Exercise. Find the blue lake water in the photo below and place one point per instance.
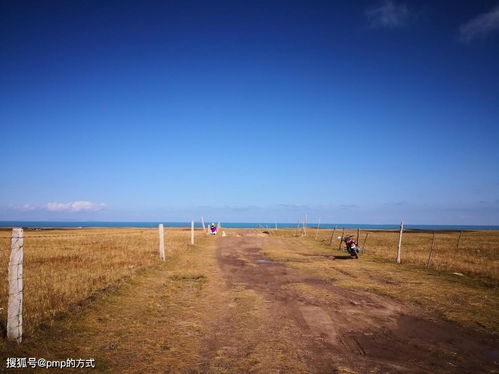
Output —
(74, 224)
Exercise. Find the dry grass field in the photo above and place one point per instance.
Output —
(65, 268)
(477, 255)
(261, 301)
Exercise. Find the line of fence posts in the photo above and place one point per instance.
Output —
(14, 317)
(14, 323)
(399, 246)
(15, 303)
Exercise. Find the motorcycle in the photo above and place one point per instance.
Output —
(352, 247)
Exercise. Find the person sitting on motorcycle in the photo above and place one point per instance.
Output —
(213, 229)
(351, 246)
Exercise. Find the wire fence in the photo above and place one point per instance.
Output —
(61, 269)
(474, 253)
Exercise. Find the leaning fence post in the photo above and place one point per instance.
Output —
(431, 251)
(304, 232)
(459, 240)
(192, 232)
(341, 239)
(365, 241)
(161, 242)
(202, 222)
(400, 242)
(358, 234)
(317, 232)
(332, 236)
(15, 307)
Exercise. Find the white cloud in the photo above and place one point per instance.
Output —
(480, 26)
(388, 14)
(72, 206)
(75, 206)
(23, 208)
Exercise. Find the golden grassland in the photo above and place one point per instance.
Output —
(168, 315)
(168, 319)
(477, 255)
(65, 268)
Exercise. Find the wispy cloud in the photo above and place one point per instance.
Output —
(480, 26)
(348, 206)
(75, 206)
(396, 203)
(388, 14)
(23, 208)
(72, 206)
(489, 202)
(293, 207)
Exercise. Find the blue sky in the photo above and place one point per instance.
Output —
(353, 112)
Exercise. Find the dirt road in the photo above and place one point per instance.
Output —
(330, 329)
(261, 304)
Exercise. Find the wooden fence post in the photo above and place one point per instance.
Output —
(15, 305)
(358, 233)
(192, 232)
(341, 239)
(305, 226)
(332, 236)
(161, 242)
(431, 251)
(459, 240)
(365, 241)
(317, 232)
(399, 248)
(204, 227)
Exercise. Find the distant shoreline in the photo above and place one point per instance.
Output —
(240, 225)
